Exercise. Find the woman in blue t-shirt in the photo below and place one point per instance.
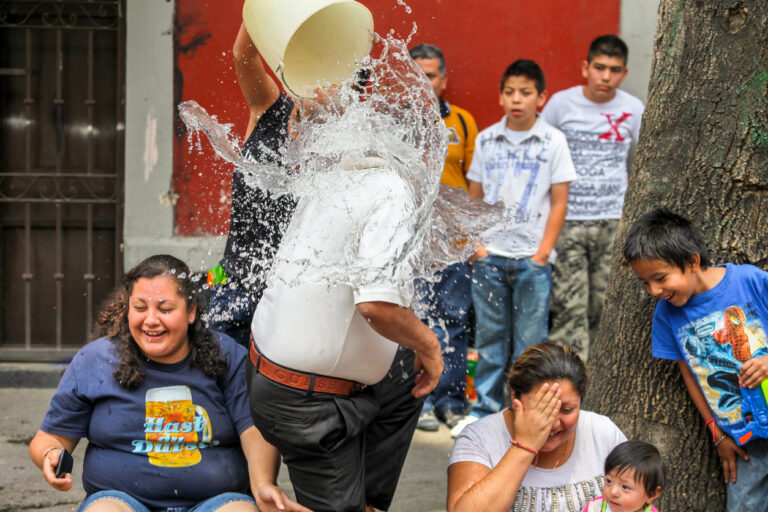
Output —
(164, 405)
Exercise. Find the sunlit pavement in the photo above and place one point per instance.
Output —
(422, 484)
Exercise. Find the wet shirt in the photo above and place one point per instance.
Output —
(172, 441)
(462, 131)
(342, 248)
(257, 219)
(566, 488)
(521, 173)
(715, 332)
(600, 136)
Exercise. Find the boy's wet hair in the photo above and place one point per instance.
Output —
(641, 457)
(527, 68)
(608, 45)
(429, 51)
(663, 235)
(546, 362)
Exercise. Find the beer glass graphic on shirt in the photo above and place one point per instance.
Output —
(175, 426)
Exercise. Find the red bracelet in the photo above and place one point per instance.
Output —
(711, 420)
(526, 448)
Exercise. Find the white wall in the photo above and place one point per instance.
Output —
(148, 217)
(637, 27)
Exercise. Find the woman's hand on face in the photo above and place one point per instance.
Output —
(533, 422)
(50, 461)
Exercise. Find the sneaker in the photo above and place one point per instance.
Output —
(466, 420)
(452, 418)
(428, 422)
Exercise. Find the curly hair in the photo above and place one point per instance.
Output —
(112, 322)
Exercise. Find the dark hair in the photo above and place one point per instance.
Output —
(528, 69)
(112, 321)
(429, 51)
(608, 45)
(663, 235)
(546, 362)
(641, 457)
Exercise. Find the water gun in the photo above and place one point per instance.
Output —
(217, 275)
(754, 410)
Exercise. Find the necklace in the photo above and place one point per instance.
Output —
(564, 452)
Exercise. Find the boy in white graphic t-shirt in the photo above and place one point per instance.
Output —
(601, 123)
(524, 162)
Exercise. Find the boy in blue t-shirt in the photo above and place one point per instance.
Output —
(712, 321)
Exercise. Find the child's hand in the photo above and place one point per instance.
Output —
(728, 450)
(754, 371)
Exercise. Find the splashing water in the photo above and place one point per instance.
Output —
(391, 127)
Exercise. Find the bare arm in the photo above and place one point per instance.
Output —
(558, 208)
(473, 486)
(693, 389)
(403, 327)
(44, 450)
(259, 88)
(728, 450)
(475, 189)
(263, 465)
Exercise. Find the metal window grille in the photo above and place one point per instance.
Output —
(62, 110)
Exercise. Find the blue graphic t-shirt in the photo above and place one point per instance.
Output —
(715, 332)
(173, 441)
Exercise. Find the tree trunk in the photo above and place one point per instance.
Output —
(703, 153)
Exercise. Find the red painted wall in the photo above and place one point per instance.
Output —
(479, 39)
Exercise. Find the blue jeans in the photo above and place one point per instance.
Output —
(749, 493)
(448, 301)
(209, 505)
(511, 299)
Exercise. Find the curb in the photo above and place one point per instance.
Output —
(30, 375)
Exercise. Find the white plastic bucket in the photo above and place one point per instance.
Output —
(309, 43)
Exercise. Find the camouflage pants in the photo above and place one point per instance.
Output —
(579, 281)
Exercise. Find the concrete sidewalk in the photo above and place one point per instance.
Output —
(422, 485)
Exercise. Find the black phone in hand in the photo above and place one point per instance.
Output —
(65, 464)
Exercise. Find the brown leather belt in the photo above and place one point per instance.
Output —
(301, 380)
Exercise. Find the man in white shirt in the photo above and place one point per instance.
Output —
(319, 347)
(336, 348)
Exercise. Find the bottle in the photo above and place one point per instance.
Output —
(217, 275)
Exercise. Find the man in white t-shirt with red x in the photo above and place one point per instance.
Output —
(602, 124)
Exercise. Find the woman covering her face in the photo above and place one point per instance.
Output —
(544, 452)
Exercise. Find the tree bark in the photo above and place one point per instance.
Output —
(703, 153)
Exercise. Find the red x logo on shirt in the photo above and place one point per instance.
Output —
(614, 127)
